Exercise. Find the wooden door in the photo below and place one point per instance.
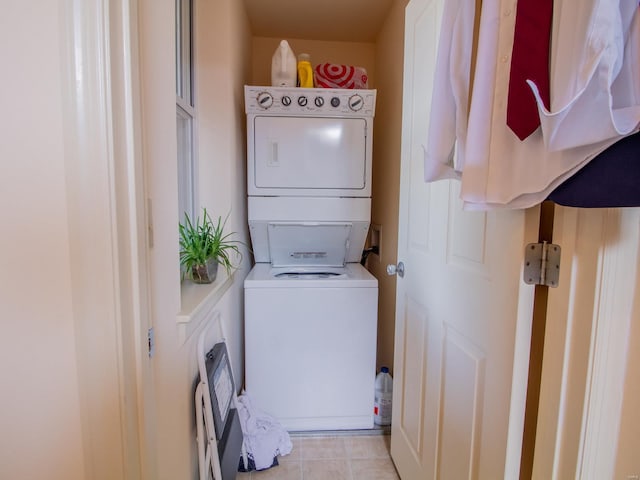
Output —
(463, 315)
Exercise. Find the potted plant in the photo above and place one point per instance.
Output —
(204, 245)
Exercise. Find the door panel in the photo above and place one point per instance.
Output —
(463, 392)
(414, 343)
(417, 368)
(464, 225)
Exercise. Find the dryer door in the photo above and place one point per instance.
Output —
(309, 156)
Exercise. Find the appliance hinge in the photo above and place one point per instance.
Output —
(151, 340)
(542, 264)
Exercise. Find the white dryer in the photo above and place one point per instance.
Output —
(310, 307)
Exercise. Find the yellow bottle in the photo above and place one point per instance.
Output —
(305, 71)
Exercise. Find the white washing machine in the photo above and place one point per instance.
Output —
(310, 307)
(310, 339)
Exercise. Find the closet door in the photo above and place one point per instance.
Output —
(463, 314)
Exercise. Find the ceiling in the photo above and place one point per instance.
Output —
(329, 20)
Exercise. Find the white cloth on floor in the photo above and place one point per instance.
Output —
(264, 437)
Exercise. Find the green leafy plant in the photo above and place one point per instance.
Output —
(203, 241)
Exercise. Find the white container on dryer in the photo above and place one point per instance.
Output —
(284, 66)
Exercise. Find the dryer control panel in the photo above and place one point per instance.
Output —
(309, 101)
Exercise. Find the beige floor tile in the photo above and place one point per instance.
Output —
(294, 456)
(373, 469)
(243, 475)
(374, 446)
(317, 448)
(387, 441)
(284, 471)
(326, 470)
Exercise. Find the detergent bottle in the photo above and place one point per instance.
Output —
(305, 71)
(383, 397)
(283, 66)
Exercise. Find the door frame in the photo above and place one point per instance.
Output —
(107, 234)
(586, 385)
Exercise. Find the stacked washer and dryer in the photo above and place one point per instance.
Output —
(310, 307)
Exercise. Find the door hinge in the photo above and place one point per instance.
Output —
(542, 264)
(151, 342)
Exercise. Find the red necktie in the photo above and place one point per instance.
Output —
(529, 61)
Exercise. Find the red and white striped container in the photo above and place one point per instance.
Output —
(330, 75)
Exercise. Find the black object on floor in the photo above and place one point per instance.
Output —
(225, 418)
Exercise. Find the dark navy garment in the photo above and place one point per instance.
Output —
(611, 179)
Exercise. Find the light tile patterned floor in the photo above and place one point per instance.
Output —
(360, 457)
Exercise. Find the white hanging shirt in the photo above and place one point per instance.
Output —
(450, 100)
(497, 169)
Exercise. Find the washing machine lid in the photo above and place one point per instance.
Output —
(294, 244)
(352, 275)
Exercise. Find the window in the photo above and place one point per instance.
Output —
(185, 110)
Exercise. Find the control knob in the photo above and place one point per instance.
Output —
(302, 101)
(356, 102)
(265, 100)
(286, 100)
(319, 101)
(335, 102)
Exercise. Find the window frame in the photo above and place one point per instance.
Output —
(186, 124)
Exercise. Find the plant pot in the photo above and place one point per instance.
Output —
(205, 273)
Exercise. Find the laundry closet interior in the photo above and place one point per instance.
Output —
(380, 51)
(322, 187)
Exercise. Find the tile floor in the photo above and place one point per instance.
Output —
(357, 457)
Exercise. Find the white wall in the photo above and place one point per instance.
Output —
(39, 421)
(222, 58)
